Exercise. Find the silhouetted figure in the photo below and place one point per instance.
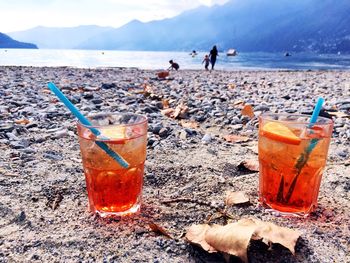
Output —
(213, 54)
(206, 61)
(173, 65)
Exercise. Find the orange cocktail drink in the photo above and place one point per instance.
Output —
(292, 157)
(113, 189)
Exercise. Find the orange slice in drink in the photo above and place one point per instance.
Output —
(114, 135)
(279, 132)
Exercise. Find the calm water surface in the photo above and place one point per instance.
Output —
(159, 60)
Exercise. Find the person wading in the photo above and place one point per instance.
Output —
(212, 55)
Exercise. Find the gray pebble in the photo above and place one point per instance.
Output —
(206, 138)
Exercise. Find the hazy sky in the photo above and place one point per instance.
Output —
(24, 14)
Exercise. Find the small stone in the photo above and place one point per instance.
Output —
(88, 96)
(261, 108)
(11, 136)
(343, 153)
(164, 132)
(183, 135)
(151, 141)
(60, 134)
(23, 143)
(156, 129)
(108, 86)
(206, 138)
(6, 127)
(53, 156)
(97, 101)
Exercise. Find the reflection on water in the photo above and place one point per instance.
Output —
(159, 60)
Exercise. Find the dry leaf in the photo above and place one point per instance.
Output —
(248, 111)
(231, 86)
(196, 235)
(165, 103)
(147, 89)
(180, 112)
(189, 124)
(339, 114)
(347, 163)
(22, 121)
(167, 112)
(237, 103)
(232, 238)
(235, 198)
(160, 230)
(235, 138)
(47, 91)
(271, 233)
(250, 164)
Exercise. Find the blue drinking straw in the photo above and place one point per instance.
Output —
(85, 121)
(316, 112)
(303, 158)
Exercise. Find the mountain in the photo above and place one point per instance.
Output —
(8, 42)
(249, 25)
(58, 38)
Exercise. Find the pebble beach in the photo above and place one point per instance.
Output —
(44, 212)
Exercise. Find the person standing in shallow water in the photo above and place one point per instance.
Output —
(212, 55)
(206, 61)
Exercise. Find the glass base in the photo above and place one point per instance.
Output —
(132, 210)
(291, 213)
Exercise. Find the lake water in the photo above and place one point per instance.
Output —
(159, 60)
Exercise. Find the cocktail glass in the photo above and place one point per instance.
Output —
(292, 158)
(114, 190)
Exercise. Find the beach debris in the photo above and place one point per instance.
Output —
(167, 112)
(166, 103)
(238, 103)
(163, 74)
(231, 85)
(236, 198)
(22, 121)
(339, 114)
(248, 111)
(235, 138)
(196, 235)
(234, 238)
(180, 112)
(53, 201)
(250, 165)
(189, 124)
(147, 90)
(159, 230)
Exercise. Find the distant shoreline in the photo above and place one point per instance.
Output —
(247, 70)
(159, 60)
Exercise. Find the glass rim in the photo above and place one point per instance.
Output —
(268, 116)
(143, 120)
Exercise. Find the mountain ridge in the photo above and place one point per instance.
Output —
(8, 42)
(250, 25)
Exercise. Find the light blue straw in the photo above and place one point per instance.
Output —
(85, 121)
(303, 158)
(316, 112)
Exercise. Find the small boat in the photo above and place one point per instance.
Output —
(231, 52)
